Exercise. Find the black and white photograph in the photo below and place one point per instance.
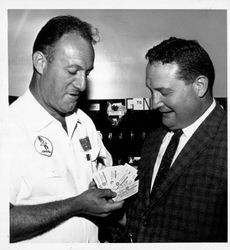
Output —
(114, 125)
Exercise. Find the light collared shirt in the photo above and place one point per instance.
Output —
(47, 164)
(187, 134)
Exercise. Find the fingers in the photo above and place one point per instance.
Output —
(110, 207)
(107, 193)
(115, 205)
(109, 204)
(123, 220)
(95, 202)
(92, 185)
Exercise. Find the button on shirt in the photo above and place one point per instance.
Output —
(47, 164)
(187, 134)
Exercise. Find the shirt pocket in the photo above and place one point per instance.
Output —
(48, 181)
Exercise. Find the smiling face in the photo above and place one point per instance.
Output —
(178, 102)
(64, 77)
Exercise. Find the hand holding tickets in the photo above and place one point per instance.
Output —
(120, 179)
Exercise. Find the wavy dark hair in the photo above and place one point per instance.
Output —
(191, 58)
(56, 27)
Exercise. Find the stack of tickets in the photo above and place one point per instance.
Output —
(120, 179)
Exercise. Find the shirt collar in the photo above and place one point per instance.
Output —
(73, 120)
(188, 131)
(39, 118)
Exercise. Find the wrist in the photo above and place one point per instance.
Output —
(75, 206)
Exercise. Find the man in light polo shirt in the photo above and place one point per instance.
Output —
(54, 145)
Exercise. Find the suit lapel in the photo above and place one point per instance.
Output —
(148, 159)
(197, 143)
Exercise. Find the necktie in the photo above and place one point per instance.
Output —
(167, 158)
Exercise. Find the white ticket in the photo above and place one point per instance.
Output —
(100, 179)
(127, 191)
(120, 179)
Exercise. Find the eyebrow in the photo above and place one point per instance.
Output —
(79, 67)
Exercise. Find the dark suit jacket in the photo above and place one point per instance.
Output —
(191, 203)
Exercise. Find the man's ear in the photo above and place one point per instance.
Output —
(201, 85)
(39, 61)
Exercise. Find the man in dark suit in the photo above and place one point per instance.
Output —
(186, 199)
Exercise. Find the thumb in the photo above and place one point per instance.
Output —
(107, 193)
(92, 185)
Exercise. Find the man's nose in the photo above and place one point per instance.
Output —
(81, 81)
(156, 100)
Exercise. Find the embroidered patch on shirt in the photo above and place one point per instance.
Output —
(43, 146)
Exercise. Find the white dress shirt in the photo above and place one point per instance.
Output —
(187, 134)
